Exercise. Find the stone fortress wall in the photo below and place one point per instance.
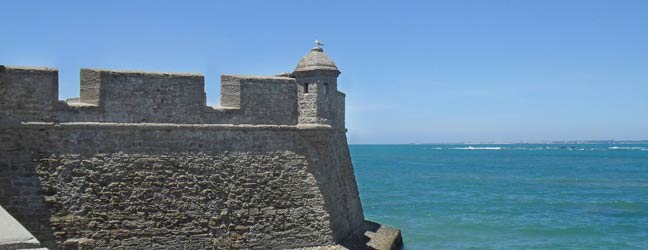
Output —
(139, 161)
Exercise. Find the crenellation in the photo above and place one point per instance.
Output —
(271, 100)
(27, 92)
(341, 111)
(90, 87)
(230, 92)
(151, 97)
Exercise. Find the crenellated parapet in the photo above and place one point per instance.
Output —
(31, 94)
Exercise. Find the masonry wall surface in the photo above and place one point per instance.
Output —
(139, 186)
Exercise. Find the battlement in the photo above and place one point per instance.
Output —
(31, 94)
(28, 89)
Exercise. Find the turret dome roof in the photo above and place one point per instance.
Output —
(316, 60)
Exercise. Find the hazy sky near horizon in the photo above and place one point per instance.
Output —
(413, 71)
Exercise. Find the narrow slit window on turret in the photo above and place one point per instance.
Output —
(326, 90)
(305, 87)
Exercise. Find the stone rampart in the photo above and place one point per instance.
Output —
(144, 97)
(139, 161)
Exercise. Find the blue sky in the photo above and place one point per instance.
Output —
(413, 71)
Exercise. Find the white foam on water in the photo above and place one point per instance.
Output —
(479, 148)
(629, 148)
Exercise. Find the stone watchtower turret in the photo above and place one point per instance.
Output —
(316, 76)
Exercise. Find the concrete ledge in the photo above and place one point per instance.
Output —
(371, 235)
(13, 235)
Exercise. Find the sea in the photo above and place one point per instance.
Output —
(512, 196)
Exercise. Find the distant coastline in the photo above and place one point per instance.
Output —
(553, 142)
(520, 142)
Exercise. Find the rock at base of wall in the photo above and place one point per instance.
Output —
(369, 236)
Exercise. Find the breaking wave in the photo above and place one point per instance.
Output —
(629, 148)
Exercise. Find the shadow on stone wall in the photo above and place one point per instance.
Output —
(22, 194)
(332, 169)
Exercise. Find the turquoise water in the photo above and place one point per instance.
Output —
(508, 196)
